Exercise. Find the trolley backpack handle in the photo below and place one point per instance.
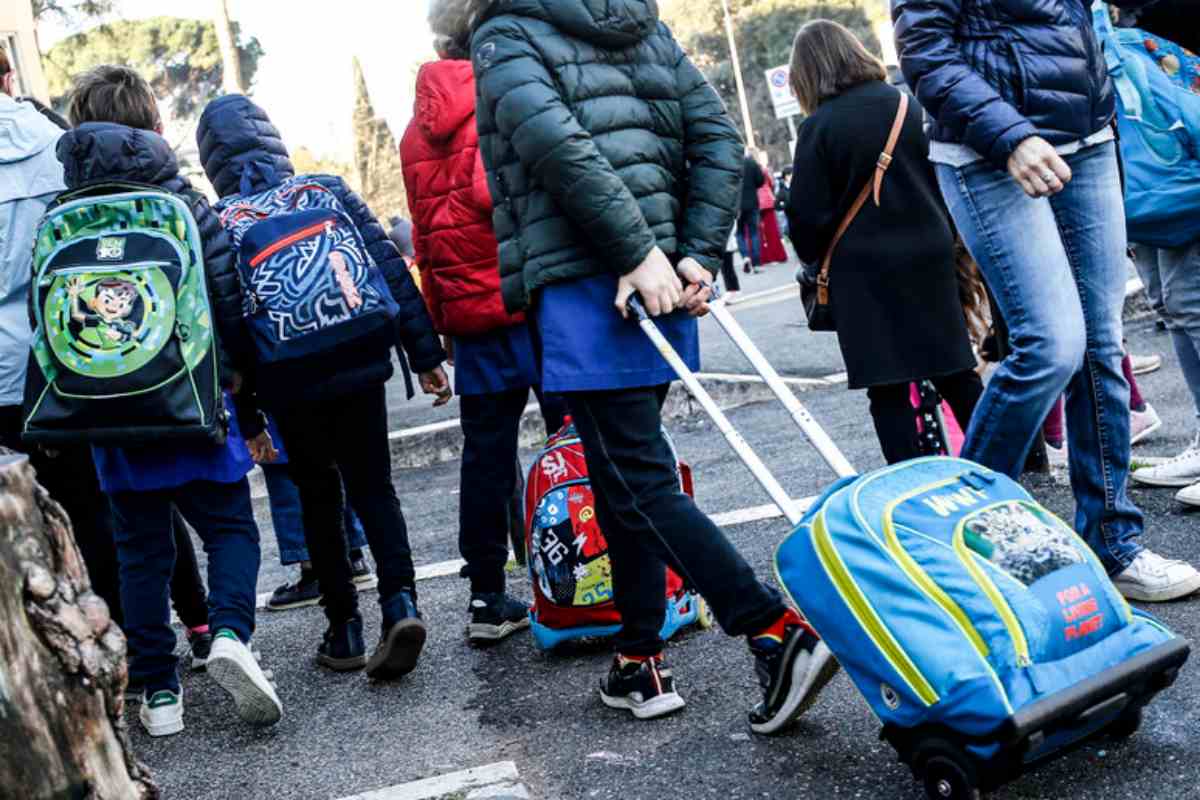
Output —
(811, 428)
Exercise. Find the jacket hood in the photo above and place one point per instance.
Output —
(604, 23)
(445, 98)
(99, 151)
(24, 132)
(241, 151)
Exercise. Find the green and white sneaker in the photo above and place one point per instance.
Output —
(234, 668)
(161, 713)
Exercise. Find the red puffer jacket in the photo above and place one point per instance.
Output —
(452, 210)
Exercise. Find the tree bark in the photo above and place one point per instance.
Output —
(231, 62)
(62, 660)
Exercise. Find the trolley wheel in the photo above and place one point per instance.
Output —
(704, 615)
(946, 771)
(1127, 724)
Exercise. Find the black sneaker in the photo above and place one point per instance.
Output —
(646, 689)
(304, 592)
(402, 640)
(360, 570)
(343, 649)
(495, 616)
(200, 645)
(792, 673)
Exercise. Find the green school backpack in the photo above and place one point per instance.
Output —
(124, 348)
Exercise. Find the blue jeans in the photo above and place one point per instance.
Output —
(750, 236)
(1057, 269)
(1172, 279)
(288, 520)
(222, 516)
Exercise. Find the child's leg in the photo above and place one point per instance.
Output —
(224, 519)
(188, 595)
(631, 464)
(146, 555)
(1136, 402)
(1053, 428)
(286, 516)
(895, 421)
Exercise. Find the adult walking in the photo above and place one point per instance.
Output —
(749, 221)
(494, 360)
(1023, 144)
(771, 243)
(892, 273)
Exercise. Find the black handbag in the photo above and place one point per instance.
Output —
(814, 288)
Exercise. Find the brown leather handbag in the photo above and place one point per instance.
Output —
(814, 294)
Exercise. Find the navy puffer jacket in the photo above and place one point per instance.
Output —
(601, 140)
(993, 73)
(243, 153)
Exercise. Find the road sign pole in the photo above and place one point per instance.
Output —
(791, 120)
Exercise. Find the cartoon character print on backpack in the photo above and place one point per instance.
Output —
(569, 556)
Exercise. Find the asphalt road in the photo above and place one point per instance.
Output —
(342, 735)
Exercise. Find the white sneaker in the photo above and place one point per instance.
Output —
(161, 714)
(1182, 470)
(1190, 495)
(1057, 456)
(1154, 579)
(1143, 423)
(1143, 365)
(236, 670)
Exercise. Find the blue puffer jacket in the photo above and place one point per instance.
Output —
(992, 73)
(243, 153)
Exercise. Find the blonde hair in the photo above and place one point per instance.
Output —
(827, 59)
(452, 22)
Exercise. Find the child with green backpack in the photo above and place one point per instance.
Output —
(114, 148)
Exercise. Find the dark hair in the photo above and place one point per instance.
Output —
(972, 293)
(5, 63)
(827, 59)
(112, 93)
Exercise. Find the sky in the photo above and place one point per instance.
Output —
(305, 78)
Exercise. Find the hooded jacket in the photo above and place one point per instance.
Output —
(992, 74)
(601, 140)
(452, 210)
(103, 151)
(243, 153)
(30, 179)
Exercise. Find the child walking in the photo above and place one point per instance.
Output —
(116, 138)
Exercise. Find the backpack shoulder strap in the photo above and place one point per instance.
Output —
(873, 186)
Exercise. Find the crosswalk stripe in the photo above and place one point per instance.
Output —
(441, 785)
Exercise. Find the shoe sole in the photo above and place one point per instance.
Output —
(399, 651)
(1142, 435)
(1146, 370)
(342, 664)
(1162, 483)
(253, 696)
(199, 664)
(1177, 591)
(481, 635)
(1187, 501)
(801, 699)
(655, 707)
(295, 604)
(368, 581)
(163, 728)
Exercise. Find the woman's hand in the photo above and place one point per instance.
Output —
(1038, 168)
(655, 281)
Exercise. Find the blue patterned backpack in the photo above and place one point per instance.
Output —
(310, 284)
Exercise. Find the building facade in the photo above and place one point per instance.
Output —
(18, 37)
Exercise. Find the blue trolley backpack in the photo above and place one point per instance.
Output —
(310, 284)
(124, 347)
(980, 628)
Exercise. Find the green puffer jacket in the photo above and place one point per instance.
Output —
(601, 139)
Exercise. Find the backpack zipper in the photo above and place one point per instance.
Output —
(968, 558)
(291, 239)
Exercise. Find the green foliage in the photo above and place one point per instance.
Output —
(70, 10)
(764, 30)
(179, 57)
(376, 156)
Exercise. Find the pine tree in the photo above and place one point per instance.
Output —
(376, 156)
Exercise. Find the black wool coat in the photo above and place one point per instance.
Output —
(601, 140)
(892, 280)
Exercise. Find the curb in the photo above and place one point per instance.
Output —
(440, 442)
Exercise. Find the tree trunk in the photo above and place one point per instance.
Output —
(230, 60)
(62, 660)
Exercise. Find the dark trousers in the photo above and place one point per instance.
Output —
(344, 441)
(490, 425)
(188, 595)
(649, 522)
(750, 235)
(729, 273)
(896, 420)
(224, 520)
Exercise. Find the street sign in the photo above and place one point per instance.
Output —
(784, 101)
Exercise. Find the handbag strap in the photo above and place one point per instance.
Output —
(873, 186)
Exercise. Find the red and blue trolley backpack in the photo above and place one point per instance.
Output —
(568, 555)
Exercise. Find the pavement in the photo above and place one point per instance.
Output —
(521, 723)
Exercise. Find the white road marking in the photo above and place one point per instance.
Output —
(442, 785)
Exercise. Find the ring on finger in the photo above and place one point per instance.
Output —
(1047, 177)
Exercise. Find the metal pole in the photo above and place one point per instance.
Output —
(791, 120)
(737, 75)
